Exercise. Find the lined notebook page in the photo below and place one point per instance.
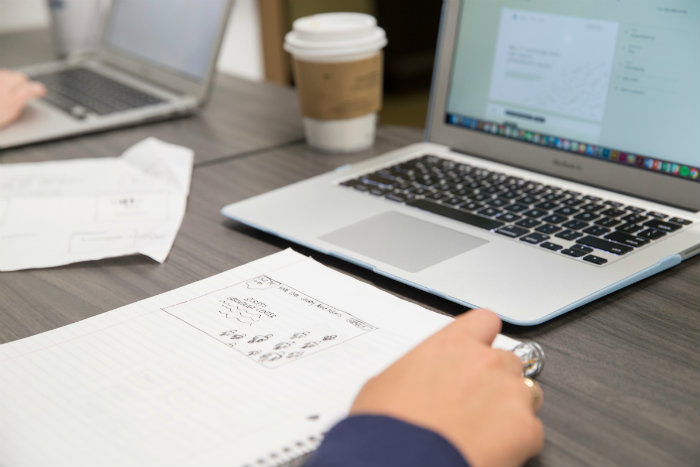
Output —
(248, 367)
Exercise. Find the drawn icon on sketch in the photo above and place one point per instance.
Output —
(233, 334)
(260, 282)
(259, 338)
(271, 356)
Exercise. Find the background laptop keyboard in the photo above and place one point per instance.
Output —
(79, 92)
(570, 223)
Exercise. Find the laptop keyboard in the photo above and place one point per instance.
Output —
(577, 225)
(79, 92)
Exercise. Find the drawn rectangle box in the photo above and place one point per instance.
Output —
(268, 321)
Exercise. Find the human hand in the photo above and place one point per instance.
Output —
(455, 384)
(15, 91)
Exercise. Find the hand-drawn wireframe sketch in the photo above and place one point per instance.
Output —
(268, 321)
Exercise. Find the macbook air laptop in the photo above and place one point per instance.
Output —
(156, 60)
(560, 163)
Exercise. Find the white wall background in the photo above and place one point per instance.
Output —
(241, 51)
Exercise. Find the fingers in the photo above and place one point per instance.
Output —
(511, 362)
(482, 325)
(533, 394)
(15, 91)
(28, 90)
(9, 80)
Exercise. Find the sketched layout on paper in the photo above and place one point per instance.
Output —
(268, 321)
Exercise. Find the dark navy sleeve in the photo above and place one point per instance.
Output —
(380, 441)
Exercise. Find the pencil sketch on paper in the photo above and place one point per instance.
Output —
(268, 321)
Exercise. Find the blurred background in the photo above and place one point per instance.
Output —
(252, 48)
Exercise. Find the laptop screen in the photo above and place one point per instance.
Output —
(613, 80)
(179, 35)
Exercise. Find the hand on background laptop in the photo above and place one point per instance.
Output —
(15, 91)
(455, 384)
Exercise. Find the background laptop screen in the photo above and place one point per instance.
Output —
(618, 81)
(179, 35)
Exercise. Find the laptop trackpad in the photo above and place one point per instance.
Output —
(403, 241)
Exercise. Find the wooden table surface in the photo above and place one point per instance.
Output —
(622, 378)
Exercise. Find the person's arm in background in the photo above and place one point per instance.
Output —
(452, 400)
(15, 91)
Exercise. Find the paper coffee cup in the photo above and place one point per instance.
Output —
(76, 25)
(338, 74)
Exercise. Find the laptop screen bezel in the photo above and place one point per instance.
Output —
(166, 77)
(661, 188)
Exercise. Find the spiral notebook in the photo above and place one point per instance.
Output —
(247, 367)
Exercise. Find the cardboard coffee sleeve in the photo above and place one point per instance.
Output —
(339, 90)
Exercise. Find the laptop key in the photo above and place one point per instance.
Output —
(508, 217)
(569, 235)
(658, 215)
(566, 211)
(629, 228)
(614, 204)
(555, 219)
(551, 246)
(605, 245)
(595, 259)
(635, 218)
(573, 252)
(613, 212)
(489, 212)
(535, 213)
(398, 197)
(546, 205)
(662, 225)
(528, 223)
(517, 207)
(596, 230)
(471, 206)
(534, 238)
(592, 207)
(572, 201)
(627, 239)
(512, 231)
(608, 222)
(651, 234)
(548, 228)
(456, 214)
(575, 224)
(680, 220)
(585, 249)
(587, 216)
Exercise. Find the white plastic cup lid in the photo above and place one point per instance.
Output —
(329, 34)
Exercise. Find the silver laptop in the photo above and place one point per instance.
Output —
(156, 60)
(560, 164)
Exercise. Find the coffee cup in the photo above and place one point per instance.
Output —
(338, 75)
(76, 25)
